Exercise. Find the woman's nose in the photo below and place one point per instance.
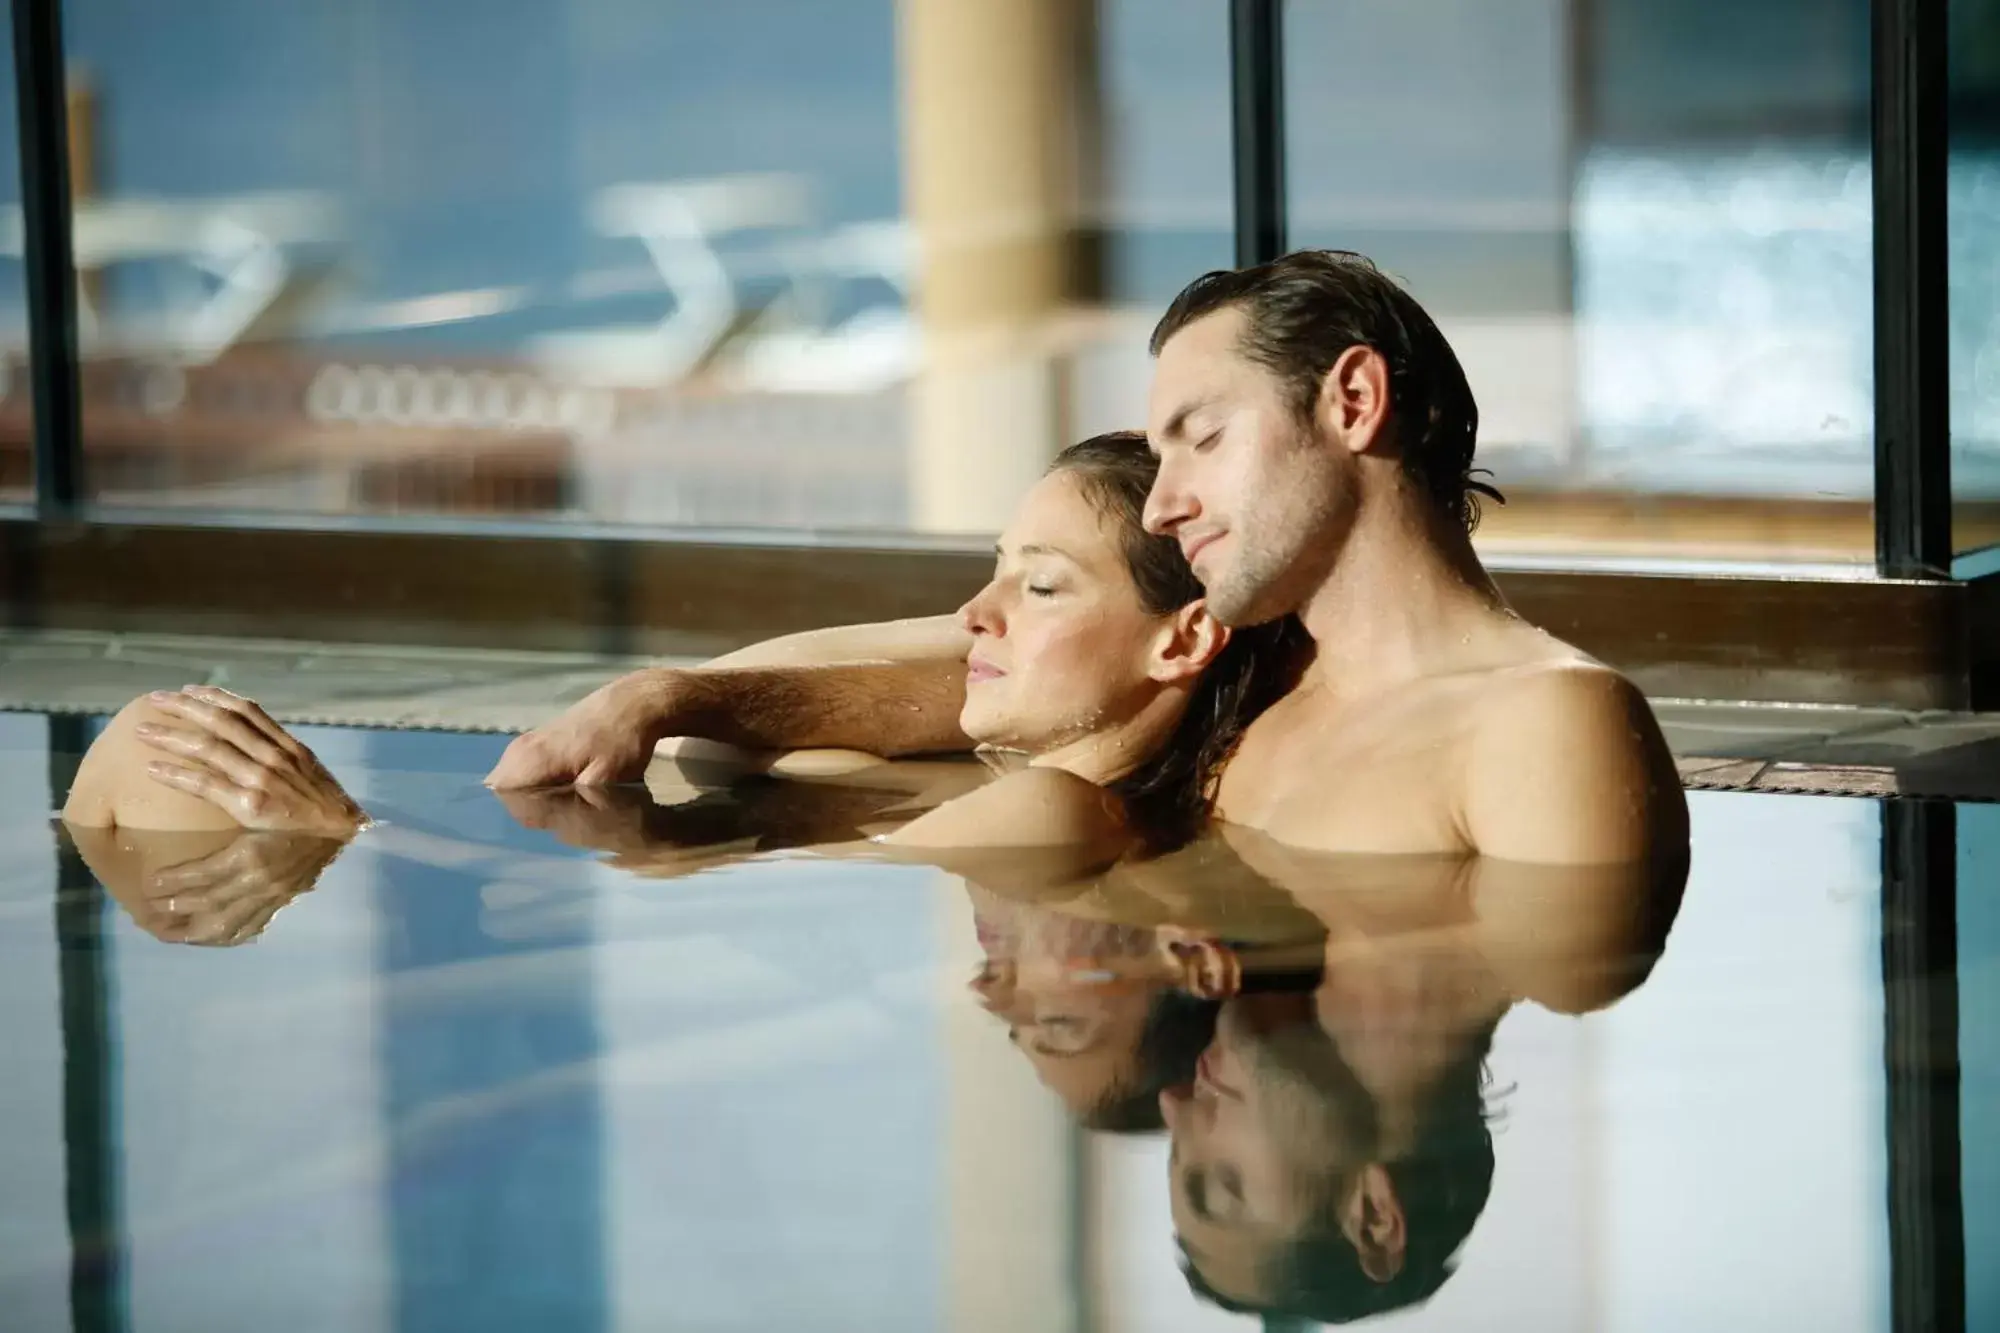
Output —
(994, 985)
(981, 615)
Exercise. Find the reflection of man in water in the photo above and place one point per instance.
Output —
(1299, 1188)
(1331, 1153)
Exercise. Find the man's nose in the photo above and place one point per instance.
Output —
(1168, 504)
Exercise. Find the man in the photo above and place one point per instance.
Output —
(1315, 435)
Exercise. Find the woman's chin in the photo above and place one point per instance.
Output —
(985, 731)
(994, 728)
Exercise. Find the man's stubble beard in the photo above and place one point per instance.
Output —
(1304, 1066)
(1276, 570)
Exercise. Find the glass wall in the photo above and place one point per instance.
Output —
(849, 264)
(864, 265)
(17, 446)
(1974, 248)
(1646, 229)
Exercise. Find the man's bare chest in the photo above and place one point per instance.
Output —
(1385, 779)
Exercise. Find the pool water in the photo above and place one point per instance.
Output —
(481, 1079)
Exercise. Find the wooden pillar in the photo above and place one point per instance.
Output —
(995, 95)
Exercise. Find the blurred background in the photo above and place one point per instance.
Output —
(865, 265)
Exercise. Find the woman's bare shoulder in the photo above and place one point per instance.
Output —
(1031, 807)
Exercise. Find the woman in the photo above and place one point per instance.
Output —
(1101, 689)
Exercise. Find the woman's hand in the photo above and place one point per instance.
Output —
(228, 752)
(229, 896)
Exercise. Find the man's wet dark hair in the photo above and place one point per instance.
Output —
(1442, 1185)
(1170, 795)
(1302, 311)
(1178, 1029)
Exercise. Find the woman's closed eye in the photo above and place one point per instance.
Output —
(1058, 1034)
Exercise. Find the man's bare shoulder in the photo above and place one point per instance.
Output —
(1566, 763)
(1562, 680)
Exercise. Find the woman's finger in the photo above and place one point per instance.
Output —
(194, 778)
(288, 757)
(209, 751)
(221, 929)
(231, 862)
(246, 805)
(225, 725)
(254, 715)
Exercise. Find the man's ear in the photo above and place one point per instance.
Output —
(1372, 1220)
(1353, 402)
(1186, 644)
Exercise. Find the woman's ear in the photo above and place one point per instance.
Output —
(1199, 964)
(1187, 643)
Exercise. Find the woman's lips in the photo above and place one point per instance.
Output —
(978, 671)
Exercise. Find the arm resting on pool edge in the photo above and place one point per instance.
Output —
(936, 639)
(886, 709)
(924, 639)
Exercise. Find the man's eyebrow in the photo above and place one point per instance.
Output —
(1197, 1194)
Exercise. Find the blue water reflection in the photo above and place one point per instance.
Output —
(476, 1079)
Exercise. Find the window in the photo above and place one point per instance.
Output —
(1646, 229)
(829, 264)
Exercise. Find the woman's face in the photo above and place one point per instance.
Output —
(1061, 645)
(1074, 995)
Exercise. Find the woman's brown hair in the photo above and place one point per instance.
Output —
(1171, 794)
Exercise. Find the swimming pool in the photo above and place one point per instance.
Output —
(479, 1078)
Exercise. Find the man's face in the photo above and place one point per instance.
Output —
(1262, 1140)
(1257, 500)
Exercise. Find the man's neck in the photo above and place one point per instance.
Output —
(1401, 1010)
(1408, 598)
